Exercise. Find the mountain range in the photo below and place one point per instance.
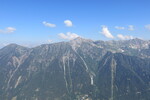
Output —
(81, 69)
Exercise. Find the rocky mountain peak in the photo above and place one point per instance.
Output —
(80, 40)
(77, 42)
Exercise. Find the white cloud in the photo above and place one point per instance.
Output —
(49, 24)
(124, 37)
(130, 27)
(8, 30)
(119, 28)
(68, 36)
(147, 26)
(106, 32)
(68, 23)
(49, 41)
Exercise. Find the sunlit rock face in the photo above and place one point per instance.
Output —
(80, 69)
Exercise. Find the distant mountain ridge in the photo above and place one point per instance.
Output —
(80, 69)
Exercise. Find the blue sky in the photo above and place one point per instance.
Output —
(43, 21)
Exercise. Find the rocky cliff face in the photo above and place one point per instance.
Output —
(80, 69)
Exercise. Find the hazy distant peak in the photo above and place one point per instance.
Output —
(137, 39)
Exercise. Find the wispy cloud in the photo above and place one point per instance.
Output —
(131, 28)
(8, 30)
(49, 24)
(119, 27)
(68, 36)
(68, 23)
(106, 32)
(147, 26)
(124, 37)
